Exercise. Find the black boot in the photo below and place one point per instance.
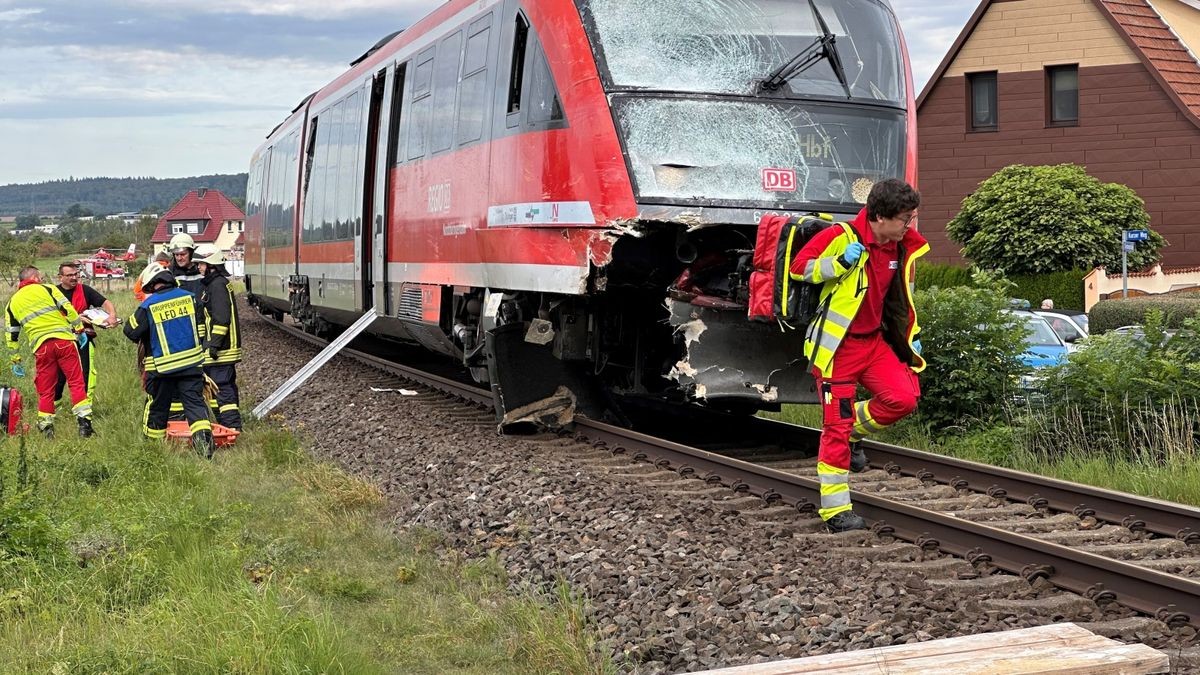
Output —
(85, 428)
(203, 444)
(858, 458)
(845, 522)
(47, 431)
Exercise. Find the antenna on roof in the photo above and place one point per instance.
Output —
(376, 47)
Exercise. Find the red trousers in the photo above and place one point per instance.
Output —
(894, 394)
(53, 357)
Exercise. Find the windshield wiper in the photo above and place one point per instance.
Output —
(824, 47)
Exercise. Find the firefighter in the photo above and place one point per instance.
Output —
(168, 324)
(82, 297)
(224, 349)
(51, 326)
(160, 261)
(183, 267)
(865, 334)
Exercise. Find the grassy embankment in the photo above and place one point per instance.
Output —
(1174, 477)
(118, 554)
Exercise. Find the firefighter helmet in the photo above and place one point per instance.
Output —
(161, 277)
(180, 242)
(209, 254)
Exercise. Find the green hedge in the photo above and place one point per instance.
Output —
(1064, 288)
(1109, 314)
(942, 276)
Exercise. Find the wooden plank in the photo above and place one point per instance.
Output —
(1063, 649)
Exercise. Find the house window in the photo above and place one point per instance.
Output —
(229, 226)
(1062, 95)
(982, 99)
(193, 228)
(176, 228)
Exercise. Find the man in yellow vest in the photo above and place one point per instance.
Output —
(864, 334)
(51, 325)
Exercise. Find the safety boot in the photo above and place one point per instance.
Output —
(85, 428)
(47, 431)
(845, 522)
(858, 458)
(203, 444)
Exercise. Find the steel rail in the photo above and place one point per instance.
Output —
(1135, 512)
(1147, 591)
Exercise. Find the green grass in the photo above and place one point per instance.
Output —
(1176, 480)
(125, 555)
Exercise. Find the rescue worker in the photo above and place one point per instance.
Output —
(168, 323)
(83, 297)
(187, 276)
(865, 334)
(224, 349)
(51, 325)
(184, 269)
(160, 261)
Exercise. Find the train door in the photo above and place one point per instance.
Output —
(383, 130)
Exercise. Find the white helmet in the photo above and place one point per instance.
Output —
(209, 254)
(180, 242)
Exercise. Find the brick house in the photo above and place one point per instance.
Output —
(207, 215)
(1112, 85)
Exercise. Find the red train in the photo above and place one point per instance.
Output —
(562, 195)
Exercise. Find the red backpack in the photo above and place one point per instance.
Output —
(10, 411)
(774, 295)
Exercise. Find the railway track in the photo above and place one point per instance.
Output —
(1106, 546)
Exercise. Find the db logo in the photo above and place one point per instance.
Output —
(779, 180)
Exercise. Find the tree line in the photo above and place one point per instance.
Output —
(105, 196)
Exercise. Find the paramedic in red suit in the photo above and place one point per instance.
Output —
(865, 333)
(83, 297)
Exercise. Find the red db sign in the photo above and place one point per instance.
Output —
(779, 180)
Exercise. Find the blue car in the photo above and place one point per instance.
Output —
(1043, 347)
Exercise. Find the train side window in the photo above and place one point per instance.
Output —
(544, 105)
(348, 187)
(445, 89)
(315, 194)
(291, 173)
(517, 73)
(421, 106)
(473, 99)
(332, 195)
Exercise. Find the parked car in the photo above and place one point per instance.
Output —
(1043, 346)
(1071, 328)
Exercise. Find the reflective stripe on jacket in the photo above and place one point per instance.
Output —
(842, 293)
(170, 319)
(42, 312)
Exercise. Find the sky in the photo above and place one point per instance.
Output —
(172, 88)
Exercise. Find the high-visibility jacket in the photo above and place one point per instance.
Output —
(169, 322)
(42, 312)
(221, 320)
(843, 290)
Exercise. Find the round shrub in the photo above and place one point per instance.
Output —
(1039, 219)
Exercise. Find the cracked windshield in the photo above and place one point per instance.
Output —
(779, 150)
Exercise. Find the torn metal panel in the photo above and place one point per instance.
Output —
(554, 412)
(726, 356)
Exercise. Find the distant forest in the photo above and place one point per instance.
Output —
(106, 196)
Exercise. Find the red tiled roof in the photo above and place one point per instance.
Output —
(1143, 29)
(1160, 48)
(212, 208)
